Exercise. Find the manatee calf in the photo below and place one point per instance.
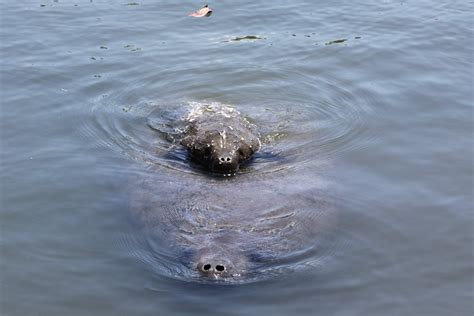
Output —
(219, 137)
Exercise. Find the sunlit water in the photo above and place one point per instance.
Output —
(365, 112)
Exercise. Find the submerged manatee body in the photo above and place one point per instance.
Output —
(229, 230)
(219, 138)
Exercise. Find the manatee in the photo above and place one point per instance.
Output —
(219, 137)
(234, 229)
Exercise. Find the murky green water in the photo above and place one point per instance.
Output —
(369, 103)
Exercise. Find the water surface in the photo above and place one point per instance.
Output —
(369, 102)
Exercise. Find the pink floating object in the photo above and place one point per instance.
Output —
(204, 11)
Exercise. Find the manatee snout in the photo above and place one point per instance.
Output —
(215, 267)
(224, 160)
(220, 264)
(219, 158)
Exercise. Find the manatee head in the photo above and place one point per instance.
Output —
(219, 263)
(227, 158)
(221, 152)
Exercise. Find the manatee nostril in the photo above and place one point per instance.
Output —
(225, 159)
(206, 267)
(220, 268)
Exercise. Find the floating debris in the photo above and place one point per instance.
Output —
(127, 108)
(245, 38)
(103, 47)
(336, 41)
(204, 11)
(97, 76)
(357, 37)
(132, 48)
(133, 3)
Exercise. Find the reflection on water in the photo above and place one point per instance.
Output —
(359, 201)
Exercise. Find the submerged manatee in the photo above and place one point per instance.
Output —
(219, 138)
(233, 230)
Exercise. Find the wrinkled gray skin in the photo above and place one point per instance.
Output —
(219, 138)
(235, 229)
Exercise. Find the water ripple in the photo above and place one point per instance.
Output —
(293, 134)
